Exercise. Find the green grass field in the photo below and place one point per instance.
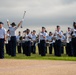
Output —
(38, 57)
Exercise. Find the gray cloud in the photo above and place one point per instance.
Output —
(39, 12)
(68, 1)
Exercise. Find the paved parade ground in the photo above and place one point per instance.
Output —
(37, 67)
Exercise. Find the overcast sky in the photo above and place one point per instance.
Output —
(48, 13)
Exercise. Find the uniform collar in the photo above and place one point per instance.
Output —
(1, 28)
(33, 34)
(42, 32)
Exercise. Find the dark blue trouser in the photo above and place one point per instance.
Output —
(50, 49)
(54, 46)
(62, 48)
(39, 49)
(1, 48)
(28, 48)
(74, 46)
(46, 49)
(23, 47)
(33, 48)
(19, 47)
(58, 48)
(43, 47)
(13, 46)
(69, 49)
(7, 48)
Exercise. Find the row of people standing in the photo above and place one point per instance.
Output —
(71, 41)
(55, 40)
(58, 39)
(42, 37)
(29, 41)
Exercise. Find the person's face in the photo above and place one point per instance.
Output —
(50, 34)
(12, 25)
(75, 25)
(68, 29)
(43, 29)
(1, 25)
(34, 33)
(19, 33)
(28, 31)
(58, 28)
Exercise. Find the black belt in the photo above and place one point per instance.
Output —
(13, 36)
(58, 40)
(1, 38)
(73, 37)
(27, 41)
(42, 40)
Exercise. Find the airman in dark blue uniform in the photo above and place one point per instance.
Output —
(2, 39)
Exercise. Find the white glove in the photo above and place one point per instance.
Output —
(7, 20)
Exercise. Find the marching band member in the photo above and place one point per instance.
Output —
(28, 38)
(38, 40)
(13, 28)
(53, 42)
(2, 39)
(63, 41)
(43, 36)
(7, 42)
(33, 48)
(23, 41)
(50, 41)
(19, 42)
(46, 40)
(58, 35)
(68, 41)
(73, 33)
